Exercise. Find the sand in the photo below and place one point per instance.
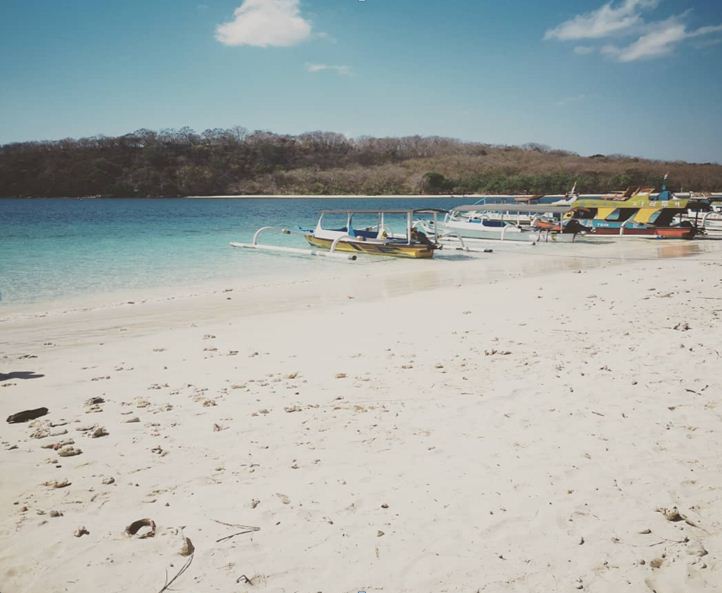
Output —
(505, 423)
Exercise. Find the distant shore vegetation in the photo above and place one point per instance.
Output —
(235, 161)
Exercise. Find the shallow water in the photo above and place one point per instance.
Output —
(63, 247)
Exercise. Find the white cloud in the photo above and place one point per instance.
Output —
(654, 39)
(340, 70)
(660, 40)
(264, 23)
(605, 21)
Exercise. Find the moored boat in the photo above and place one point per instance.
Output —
(502, 222)
(705, 213)
(634, 213)
(376, 238)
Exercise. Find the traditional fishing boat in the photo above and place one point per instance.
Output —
(503, 222)
(634, 213)
(376, 238)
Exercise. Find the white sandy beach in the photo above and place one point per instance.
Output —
(513, 422)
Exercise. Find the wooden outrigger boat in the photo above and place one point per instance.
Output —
(376, 238)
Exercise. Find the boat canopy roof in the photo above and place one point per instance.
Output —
(386, 211)
(538, 208)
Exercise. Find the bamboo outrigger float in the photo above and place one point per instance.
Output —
(282, 249)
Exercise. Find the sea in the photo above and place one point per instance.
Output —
(57, 248)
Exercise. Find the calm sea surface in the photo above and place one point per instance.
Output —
(57, 248)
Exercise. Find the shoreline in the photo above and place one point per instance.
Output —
(281, 197)
(447, 267)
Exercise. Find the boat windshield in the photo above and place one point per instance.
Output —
(621, 214)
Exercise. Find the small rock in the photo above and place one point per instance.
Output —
(55, 514)
(340, 375)
(80, 532)
(99, 432)
(657, 563)
(380, 533)
(283, 498)
(109, 480)
(255, 502)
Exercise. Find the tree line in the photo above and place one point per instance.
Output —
(235, 161)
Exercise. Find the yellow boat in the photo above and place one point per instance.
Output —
(632, 213)
(375, 238)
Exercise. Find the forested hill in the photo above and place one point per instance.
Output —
(183, 162)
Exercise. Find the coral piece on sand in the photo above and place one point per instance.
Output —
(187, 548)
(57, 483)
(69, 452)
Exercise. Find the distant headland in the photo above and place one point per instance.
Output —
(236, 162)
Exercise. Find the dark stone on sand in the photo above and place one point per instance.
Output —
(27, 415)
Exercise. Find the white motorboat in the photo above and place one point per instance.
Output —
(502, 222)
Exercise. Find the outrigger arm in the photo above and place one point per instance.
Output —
(295, 250)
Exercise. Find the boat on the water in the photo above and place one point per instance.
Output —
(375, 238)
(503, 222)
(641, 212)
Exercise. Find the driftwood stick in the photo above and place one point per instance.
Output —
(230, 524)
(246, 529)
(168, 583)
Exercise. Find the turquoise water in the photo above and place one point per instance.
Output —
(56, 248)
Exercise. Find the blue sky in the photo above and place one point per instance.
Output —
(641, 77)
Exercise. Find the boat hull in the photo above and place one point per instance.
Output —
(656, 232)
(478, 231)
(415, 251)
